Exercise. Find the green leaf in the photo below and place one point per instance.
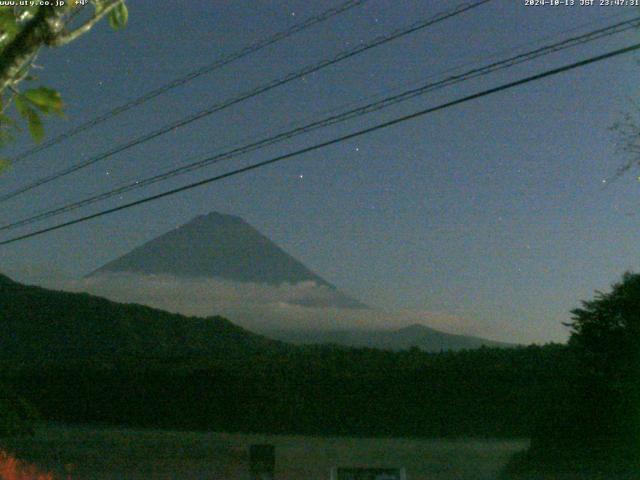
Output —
(6, 120)
(45, 99)
(98, 5)
(22, 106)
(4, 164)
(118, 16)
(35, 126)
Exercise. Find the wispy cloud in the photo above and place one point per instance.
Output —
(258, 307)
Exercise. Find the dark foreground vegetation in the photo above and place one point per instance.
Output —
(312, 391)
(83, 360)
(593, 431)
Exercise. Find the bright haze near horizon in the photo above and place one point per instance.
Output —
(495, 211)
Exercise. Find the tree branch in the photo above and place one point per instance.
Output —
(46, 27)
(67, 37)
(22, 49)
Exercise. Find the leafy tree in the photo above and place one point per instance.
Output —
(24, 31)
(591, 424)
(605, 334)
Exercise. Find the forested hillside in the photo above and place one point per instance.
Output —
(39, 326)
(82, 359)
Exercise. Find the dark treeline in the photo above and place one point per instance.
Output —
(311, 390)
(82, 359)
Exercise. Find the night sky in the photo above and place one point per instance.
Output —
(495, 211)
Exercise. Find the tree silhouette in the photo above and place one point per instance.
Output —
(605, 336)
(589, 424)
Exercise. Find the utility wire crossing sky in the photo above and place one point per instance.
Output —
(183, 80)
(432, 20)
(366, 109)
(493, 212)
(343, 138)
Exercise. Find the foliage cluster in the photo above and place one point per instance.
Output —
(24, 30)
(594, 424)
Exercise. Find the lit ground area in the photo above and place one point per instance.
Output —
(96, 454)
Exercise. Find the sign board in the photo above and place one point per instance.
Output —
(350, 473)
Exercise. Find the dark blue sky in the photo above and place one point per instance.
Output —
(494, 210)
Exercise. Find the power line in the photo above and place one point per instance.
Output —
(221, 62)
(334, 119)
(333, 141)
(257, 91)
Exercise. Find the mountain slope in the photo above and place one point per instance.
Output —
(419, 336)
(222, 246)
(39, 325)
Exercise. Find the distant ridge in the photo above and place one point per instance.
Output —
(39, 325)
(223, 246)
(413, 336)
